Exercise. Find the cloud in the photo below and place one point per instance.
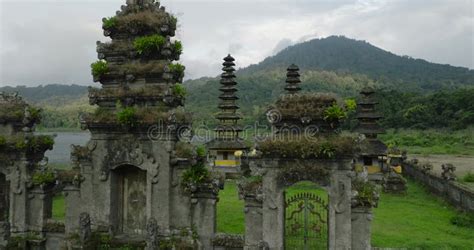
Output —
(51, 41)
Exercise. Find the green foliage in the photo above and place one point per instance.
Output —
(431, 141)
(109, 23)
(312, 148)
(463, 220)
(366, 193)
(351, 104)
(174, 21)
(201, 151)
(43, 178)
(148, 44)
(334, 113)
(179, 90)
(99, 68)
(3, 141)
(184, 150)
(195, 175)
(127, 116)
(178, 47)
(177, 69)
(469, 177)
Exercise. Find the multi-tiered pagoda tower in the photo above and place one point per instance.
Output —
(293, 79)
(227, 147)
(373, 157)
(374, 151)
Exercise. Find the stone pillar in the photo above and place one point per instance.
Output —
(361, 233)
(18, 199)
(273, 209)
(72, 196)
(204, 216)
(40, 207)
(340, 201)
(253, 223)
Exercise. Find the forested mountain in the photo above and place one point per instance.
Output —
(413, 92)
(341, 54)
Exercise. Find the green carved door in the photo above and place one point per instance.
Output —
(306, 222)
(134, 201)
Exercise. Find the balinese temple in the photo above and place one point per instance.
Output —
(227, 148)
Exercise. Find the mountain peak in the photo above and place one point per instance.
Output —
(342, 54)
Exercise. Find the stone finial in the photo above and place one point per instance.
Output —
(293, 79)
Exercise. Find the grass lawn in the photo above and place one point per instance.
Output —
(417, 220)
(432, 141)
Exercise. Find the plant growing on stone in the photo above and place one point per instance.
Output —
(149, 44)
(350, 104)
(308, 148)
(109, 23)
(178, 47)
(177, 70)
(334, 113)
(195, 175)
(43, 178)
(99, 68)
(366, 194)
(184, 150)
(173, 21)
(201, 151)
(127, 116)
(179, 90)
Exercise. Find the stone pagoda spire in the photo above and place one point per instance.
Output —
(367, 115)
(228, 116)
(141, 85)
(293, 79)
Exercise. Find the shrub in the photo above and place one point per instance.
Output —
(334, 113)
(99, 68)
(148, 44)
(366, 193)
(350, 104)
(196, 174)
(179, 90)
(126, 116)
(109, 23)
(201, 151)
(3, 141)
(313, 148)
(469, 177)
(174, 21)
(43, 178)
(184, 150)
(177, 69)
(178, 47)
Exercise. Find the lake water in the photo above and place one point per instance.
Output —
(61, 153)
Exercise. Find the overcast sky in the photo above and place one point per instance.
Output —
(46, 41)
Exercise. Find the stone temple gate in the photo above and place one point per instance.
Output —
(139, 183)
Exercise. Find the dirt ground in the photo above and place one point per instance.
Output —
(463, 164)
